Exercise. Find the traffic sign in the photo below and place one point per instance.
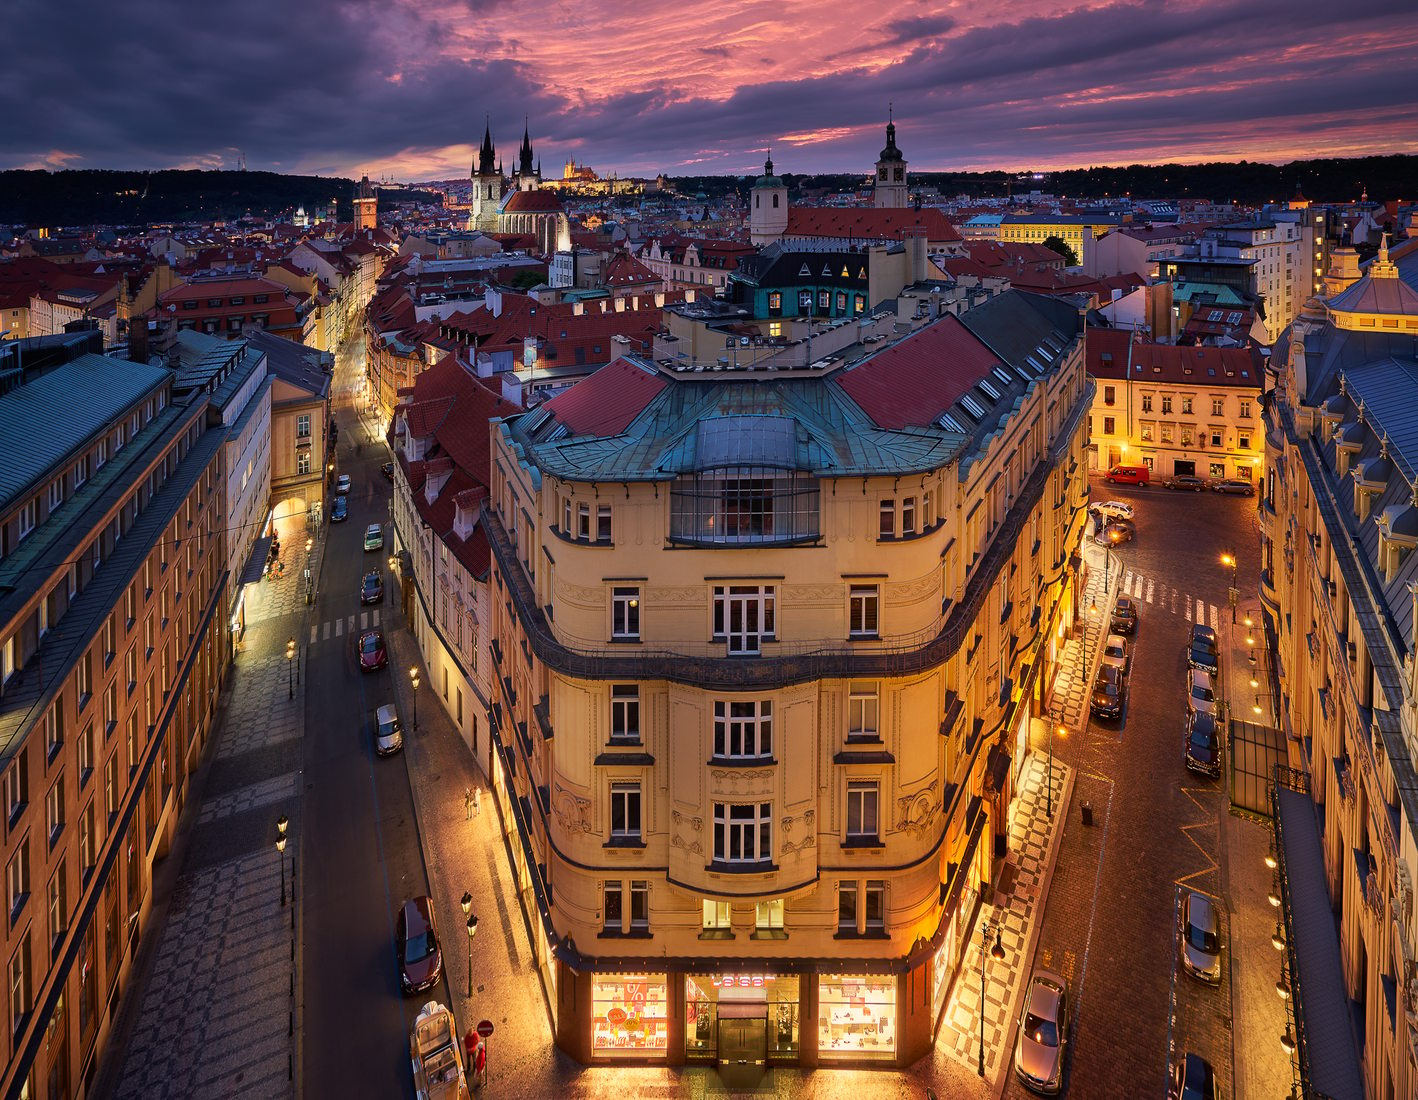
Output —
(484, 1028)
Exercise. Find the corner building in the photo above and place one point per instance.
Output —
(767, 652)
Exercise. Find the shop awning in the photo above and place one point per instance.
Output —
(1329, 1056)
(256, 563)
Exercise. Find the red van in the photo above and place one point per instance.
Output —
(1129, 475)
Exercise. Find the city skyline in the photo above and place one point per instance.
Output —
(402, 89)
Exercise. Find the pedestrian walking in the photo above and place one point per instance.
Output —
(468, 804)
(477, 808)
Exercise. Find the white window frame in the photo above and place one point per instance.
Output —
(639, 900)
(627, 803)
(717, 916)
(56, 493)
(743, 832)
(603, 523)
(743, 729)
(863, 711)
(27, 518)
(744, 617)
(583, 522)
(625, 714)
(17, 878)
(908, 516)
(54, 811)
(874, 888)
(768, 915)
(625, 612)
(863, 809)
(612, 888)
(864, 611)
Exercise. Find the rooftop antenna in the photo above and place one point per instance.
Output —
(240, 161)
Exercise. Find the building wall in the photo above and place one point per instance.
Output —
(113, 709)
(927, 763)
(1158, 426)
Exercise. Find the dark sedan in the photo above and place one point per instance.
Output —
(340, 510)
(372, 590)
(1234, 485)
(1202, 751)
(1192, 1079)
(387, 469)
(416, 943)
(372, 654)
(1202, 651)
(1107, 698)
(1187, 481)
(1124, 618)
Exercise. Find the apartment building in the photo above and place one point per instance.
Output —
(1339, 589)
(113, 644)
(1175, 409)
(700, 578)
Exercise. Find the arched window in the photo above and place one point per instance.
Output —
(755, 200)
(775, 202)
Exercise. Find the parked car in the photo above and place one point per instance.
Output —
(372, 589)
(388, 734)
(340, 510)
(416, 942)
(1186, 481)
(1202, 749)
(1202, 651)
(1201, 692)
(1128, 475)
(372, 653)
(1110, 509)
(387, 469)
(1234, 485)
(1108, 688)
(1115, 652)
(1200, 938)
(1192, 1079)
(436, 1054)
(1119, 531)
(1043, 1034)
(342, 484)
(374, 537)
(1124, 617)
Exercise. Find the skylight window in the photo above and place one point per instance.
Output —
(973, 407)
(1002, 375)
(984, 384)
(948, 421)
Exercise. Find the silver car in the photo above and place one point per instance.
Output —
(1115, 652)
(1200, 934)
(1201, 692)
(1043, 1034)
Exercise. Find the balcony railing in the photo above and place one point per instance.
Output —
(788, 662)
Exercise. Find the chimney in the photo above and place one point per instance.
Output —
(138, 339)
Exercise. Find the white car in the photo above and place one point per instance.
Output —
(342, 484)
(374, 537)
(1115, 652)
(1111, 509)
(1201, 691)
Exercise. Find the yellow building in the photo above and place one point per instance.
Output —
(1176, 410)
(701, 578)
(1069, 228)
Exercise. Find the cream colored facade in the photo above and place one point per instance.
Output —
(650, 713)
(1339, 587)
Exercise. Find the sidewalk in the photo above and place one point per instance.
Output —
(209, 1009)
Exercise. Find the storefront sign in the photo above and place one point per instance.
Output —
(742, 981)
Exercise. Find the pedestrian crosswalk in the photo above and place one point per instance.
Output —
(1148, 590)
(338, 628)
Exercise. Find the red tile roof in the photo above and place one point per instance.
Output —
(1169, 363)
(533, 202)
(868, 222)
(605, 403)
(910, 383)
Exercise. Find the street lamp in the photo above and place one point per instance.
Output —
(281, 855)
(1229, 558)
(414, 679)
(1063, 732)
(467, 903)
(290, 668)
(997, 953)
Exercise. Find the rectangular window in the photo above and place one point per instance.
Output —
(110, 787)
(612, 905)
(743, 834)
(744, 616)
(58, 904)
(17, 788)
(625, 712)
(862, 710)
(927, 511)
(566, 516)
(1243, 441)
(28, 516)
(1166, 405)
(768, 915)
(54, 810)
(716, 915)
(1186, 406)
(847, 907)
(743, 730)
(1108, 398)
(83, 680)
(1146, 432)
(87, 839)
(1109, 426)
(17, 879)
(863, 607)
(583, 522)
(81, 471)
(302, 425)
(625, 811)
(886, 519)
(20, 985)
(56, 493)
(862, 798)
(1245, 410)
(110, 709)
(876, 905)
(54, 729)
(86, 754)
(908, 516)
(625, 613)
(1217, 405)
(603, 523)
(302, 462)
(639, 906)
(1147, 402)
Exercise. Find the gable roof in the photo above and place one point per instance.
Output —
(605, 403)
(868, 223)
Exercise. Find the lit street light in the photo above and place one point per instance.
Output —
(290, 668)
(1232, 593)
(414, 679)
(467, 904)
(281, 855)
(997, 953)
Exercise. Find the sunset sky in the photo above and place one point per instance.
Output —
(400, 88)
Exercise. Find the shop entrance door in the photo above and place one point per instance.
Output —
(743, 1048)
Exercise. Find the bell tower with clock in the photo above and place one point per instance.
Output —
(890, 190)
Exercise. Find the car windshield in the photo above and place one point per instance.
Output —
(1042, 1031)
(1201, 740)
(419, 947)
(1202, 692)
(1201, 939)
(371, 643)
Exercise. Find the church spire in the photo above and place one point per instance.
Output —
(524, 167)
(487, 155)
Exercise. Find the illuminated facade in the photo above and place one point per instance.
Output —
(699, 579)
